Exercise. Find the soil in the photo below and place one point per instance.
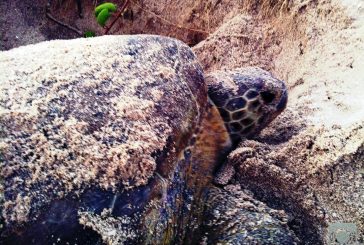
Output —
(315, 46)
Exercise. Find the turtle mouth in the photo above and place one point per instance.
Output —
(283, 101)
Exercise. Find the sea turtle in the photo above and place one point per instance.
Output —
(116, 139)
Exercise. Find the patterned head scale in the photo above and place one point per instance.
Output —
(248, 99)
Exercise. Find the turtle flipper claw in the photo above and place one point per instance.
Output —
(227, 170)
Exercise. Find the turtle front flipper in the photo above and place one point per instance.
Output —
(235, 217)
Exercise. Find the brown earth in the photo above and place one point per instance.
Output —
(311, 161)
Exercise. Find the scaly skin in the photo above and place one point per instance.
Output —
(202, 211)
(234, 217)
(221, 216)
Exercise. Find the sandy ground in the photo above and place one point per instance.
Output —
(310, 162)
(316, 147)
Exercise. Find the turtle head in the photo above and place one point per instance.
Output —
(248, 99)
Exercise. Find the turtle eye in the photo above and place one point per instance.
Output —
(267, 97)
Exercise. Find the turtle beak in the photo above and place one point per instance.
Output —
(283, 101)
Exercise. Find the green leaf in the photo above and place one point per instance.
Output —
(109, 6)
(102, 17)
(89, 34)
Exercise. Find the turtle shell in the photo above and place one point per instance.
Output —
(87, 125)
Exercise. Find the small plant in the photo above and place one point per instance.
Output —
(105, 10)
(89, 34)
(102, 12)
